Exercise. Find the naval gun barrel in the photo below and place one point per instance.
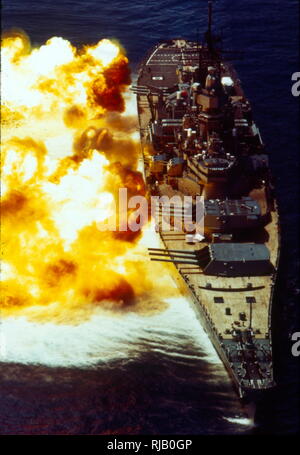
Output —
(174, 261)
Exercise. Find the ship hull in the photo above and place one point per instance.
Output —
(248, 362)
(247, 395)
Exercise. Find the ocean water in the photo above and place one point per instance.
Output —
(160, 375)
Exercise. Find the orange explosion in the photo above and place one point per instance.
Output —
(67, 147)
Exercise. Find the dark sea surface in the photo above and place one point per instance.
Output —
(167, 379)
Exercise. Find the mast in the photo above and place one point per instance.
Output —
(208, 33)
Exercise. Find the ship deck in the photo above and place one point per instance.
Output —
(235, 292)
(250, 295)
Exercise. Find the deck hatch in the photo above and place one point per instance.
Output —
(218, 300)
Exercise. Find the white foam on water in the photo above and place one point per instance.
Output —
(105, 337)
(245, 421)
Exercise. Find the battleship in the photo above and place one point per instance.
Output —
(198, 138)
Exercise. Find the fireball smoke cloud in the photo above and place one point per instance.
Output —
(67, 147)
